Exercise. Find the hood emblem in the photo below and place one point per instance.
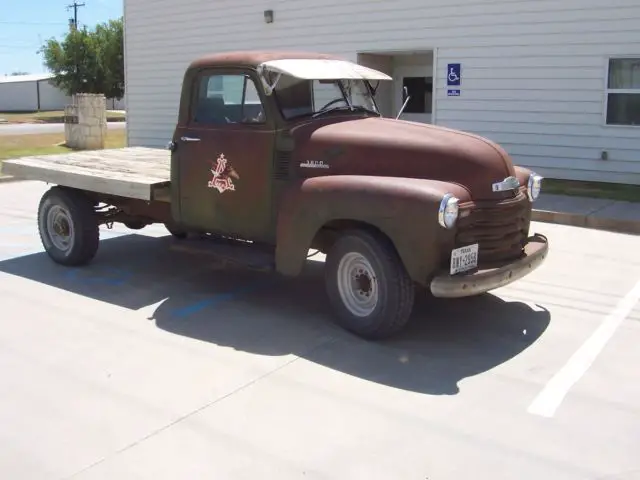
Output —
(509, 183)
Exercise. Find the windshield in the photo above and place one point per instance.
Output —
(300, 98)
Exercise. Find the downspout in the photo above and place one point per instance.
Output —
(38, 93)
(434, 88)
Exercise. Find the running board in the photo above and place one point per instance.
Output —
(233, 252)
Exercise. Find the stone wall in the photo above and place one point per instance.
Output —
(86, 122)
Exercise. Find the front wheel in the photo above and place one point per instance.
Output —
(176, 231)
(68, 227)
(368, 285)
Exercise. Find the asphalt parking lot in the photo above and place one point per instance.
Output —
(155, 364)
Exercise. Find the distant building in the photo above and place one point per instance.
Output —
(26, 93)
(556, 83)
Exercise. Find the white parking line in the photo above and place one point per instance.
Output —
(549, 399)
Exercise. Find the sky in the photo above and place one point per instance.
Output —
(26, 24)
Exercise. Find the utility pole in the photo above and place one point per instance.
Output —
(74, 28)
(75, 5)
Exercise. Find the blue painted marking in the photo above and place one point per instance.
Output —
(216, 299)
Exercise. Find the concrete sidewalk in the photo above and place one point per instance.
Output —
(597, 213)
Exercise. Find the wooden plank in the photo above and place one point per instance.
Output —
(132, 172)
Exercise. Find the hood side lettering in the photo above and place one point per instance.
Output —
(314, 164)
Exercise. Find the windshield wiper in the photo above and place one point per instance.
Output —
(352, 108)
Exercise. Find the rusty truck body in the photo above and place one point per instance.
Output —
(278, 153)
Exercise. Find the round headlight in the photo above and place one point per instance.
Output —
(534, 186)
(448, 211)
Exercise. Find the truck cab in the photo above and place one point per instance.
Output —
(240, 140)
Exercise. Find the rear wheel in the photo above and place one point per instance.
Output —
(135, 225)
(68, 226)
(368, 285)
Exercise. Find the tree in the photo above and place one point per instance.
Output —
(88, 61)
(18, 73)
(110, 41)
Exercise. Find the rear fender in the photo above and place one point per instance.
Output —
(403, 209)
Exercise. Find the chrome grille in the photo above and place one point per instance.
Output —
(500, 229)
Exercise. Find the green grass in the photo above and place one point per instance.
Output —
(611, 191)
(50, 117)
(15, 146)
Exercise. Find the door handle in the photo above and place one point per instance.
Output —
(189, 139)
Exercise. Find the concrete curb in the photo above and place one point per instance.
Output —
(9, 178)
(587, 221)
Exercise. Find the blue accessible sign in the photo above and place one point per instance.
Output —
(454, 74)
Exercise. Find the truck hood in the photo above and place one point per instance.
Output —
(397, 148)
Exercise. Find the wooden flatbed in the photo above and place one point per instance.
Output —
(131, 172)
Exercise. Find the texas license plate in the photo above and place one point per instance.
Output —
(464, 258)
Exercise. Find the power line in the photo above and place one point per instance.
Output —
(21, 22)
(19, 47)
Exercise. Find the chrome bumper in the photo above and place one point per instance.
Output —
(448, 286)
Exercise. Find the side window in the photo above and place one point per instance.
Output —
(623, 92)
(224, 99)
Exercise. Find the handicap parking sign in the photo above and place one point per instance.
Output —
(453, 74)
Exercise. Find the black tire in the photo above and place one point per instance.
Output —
(175, 231)
(395, 288)
(75, 210)
(135, 225)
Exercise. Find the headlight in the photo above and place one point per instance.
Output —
(448, 211)
(534, 186)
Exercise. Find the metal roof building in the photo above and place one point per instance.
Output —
(27, 93)
(30, 93)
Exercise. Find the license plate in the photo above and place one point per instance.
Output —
(464, 258)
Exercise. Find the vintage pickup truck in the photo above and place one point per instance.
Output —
(276, 154)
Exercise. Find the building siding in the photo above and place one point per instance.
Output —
(533, 71)
(52, 98)
(18, 96)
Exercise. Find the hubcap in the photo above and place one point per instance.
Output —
(60, 228)
(357, 284)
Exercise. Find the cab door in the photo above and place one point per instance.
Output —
(224, 156)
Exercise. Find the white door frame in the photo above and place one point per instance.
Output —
(416, 50)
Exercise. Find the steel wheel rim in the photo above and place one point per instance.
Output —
(60, 228)
(357, 284)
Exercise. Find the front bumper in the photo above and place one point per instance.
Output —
(481, 281)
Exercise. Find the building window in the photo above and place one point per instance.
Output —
(623, 91)
(420, 92)
(224, 99)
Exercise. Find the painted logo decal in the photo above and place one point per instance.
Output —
(314, 164)
(222, 173)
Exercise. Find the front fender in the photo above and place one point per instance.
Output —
(404, 209)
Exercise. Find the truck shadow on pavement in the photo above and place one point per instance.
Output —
(265, 314)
